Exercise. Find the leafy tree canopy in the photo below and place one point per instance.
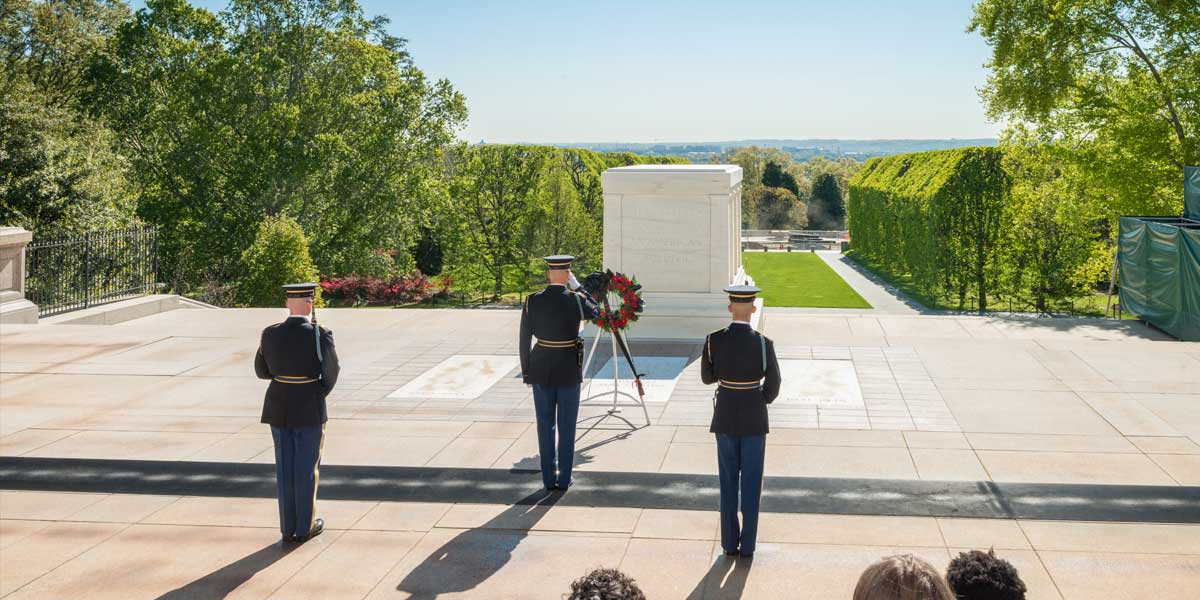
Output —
(305, 108)
(1117, 80)
(826, 210)
(775, 176)
(59, 170)
(778, 208)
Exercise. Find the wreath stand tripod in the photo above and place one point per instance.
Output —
(615, 408)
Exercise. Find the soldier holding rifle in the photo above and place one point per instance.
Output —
(298, 357)
(741, 361)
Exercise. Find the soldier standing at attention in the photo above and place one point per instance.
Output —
(742, 362)
(298, 357)
(553, 365)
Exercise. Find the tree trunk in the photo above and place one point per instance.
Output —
(980, 265)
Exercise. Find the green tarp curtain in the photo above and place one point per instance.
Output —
(1160, 274)
(1191, 192)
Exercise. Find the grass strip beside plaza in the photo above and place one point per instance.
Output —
(799, 279)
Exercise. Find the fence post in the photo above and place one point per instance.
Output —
(87, 269)
(154, 258)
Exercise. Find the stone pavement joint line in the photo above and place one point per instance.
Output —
(983, 499)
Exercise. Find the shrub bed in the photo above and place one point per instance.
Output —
(360, 290)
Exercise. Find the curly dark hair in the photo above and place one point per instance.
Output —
(605, 584)
(978, 575)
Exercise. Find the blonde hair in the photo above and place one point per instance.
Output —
(903, 577)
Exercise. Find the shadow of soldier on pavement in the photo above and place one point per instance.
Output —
(725, 579)
(583, 454)
(223, 581)
(471, 557)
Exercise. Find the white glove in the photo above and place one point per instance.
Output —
(571, 281)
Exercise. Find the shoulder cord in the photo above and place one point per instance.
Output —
(708, 347)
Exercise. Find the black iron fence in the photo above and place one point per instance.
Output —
(73, 273)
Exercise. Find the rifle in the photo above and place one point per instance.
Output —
(317, 333)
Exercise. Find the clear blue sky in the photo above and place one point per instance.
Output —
(700, 70)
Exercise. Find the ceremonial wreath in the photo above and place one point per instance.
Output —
(601, 284)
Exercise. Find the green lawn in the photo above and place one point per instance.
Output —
(799, 279)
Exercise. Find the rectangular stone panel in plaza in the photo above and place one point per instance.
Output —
(821, 383)
(659, 376)
(677, 228)
(459, 377)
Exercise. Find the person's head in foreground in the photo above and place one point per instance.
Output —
(558, 268)
(300, 297)
(741, 301)
(903, 577)
(605, 584)
(978, 575)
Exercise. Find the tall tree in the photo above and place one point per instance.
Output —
(774, 176)
(49, 43)
(778, 208)
(1119, 79)
(826, 210)
(304, 108)
(59, 170)
(564, 225)
(755, 161)
(495, 188)
(842, 169)
(1052, 248)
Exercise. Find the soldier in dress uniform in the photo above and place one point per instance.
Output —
(741, 361)
(553, 365)
(298, 357)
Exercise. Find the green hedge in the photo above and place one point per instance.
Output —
(934, 217)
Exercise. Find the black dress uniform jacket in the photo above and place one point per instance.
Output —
(553, 315)
(288, 351)
(735, 354)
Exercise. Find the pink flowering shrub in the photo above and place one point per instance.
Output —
(361, 290)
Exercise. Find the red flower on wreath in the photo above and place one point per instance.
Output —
(617, 318)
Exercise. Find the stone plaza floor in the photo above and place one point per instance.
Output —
(1072, 446)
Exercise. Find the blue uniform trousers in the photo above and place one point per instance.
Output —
(740, 464)
(297, 472)
(556, 404)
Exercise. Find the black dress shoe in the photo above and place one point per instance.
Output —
(731, 553)
(562, 488)
(317, 528)
(287, 539)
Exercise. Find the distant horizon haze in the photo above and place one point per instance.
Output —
(700, 70)
(749, 141)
